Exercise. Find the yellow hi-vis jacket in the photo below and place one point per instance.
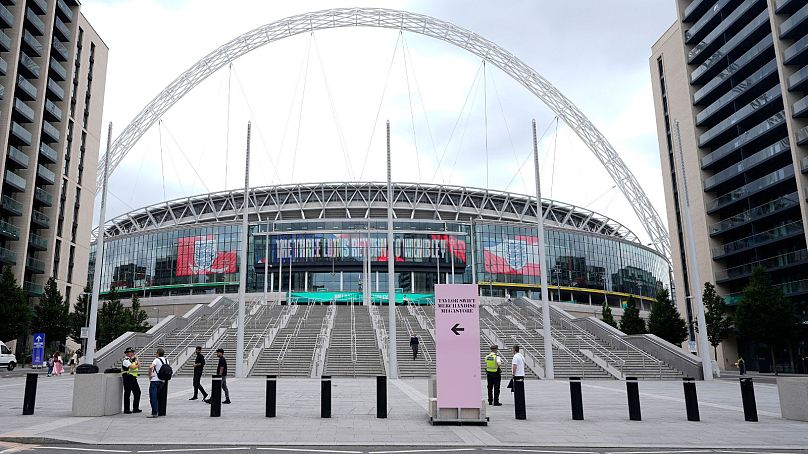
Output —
(491, 362)
(130, 371)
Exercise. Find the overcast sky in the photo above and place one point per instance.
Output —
(318, 103)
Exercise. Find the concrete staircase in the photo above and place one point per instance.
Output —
(424, 364)
(352, 348)
(292, 351)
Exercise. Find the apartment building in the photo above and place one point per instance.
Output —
(52, 77)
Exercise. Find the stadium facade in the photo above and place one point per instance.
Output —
(316, 238)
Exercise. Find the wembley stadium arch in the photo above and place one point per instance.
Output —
(415, 23)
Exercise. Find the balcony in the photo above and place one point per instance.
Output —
(39, 6)
(52, 111)
(37, 242)
(802, 135)
(747, 164)
(796, 53)
(22, 134)
(40, 219)
(758, 239)
(736, 119)
(58, 92)
(48, 153)
(757, 52)
(3, 67)
(779, 204)
(10, 205)
(805, 164)
(738, 91)
(800, 108)
(23, 110)
(64, 11)
(795, 288)
(60, 30)
(15, 181)
(61, 53)
(6, 18)
(33, 289)
(35, 265)
(7, 256)
(17, 157)
(57, 70)
(50, 132)
(37, 26)
(9, 231)
(28, 67)
(753, 187)
(752, 134)
(786, 6)
(43, 197)
(727, 26)
(799, 80)
(5, 42)
(791, 27)
(45, 174)
(695, 31)
(795, 258)
(32, 44)
(28, 91)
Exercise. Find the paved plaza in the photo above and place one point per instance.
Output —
(353, 421)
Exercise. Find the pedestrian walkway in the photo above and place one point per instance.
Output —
(354, 423)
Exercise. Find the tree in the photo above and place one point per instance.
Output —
(665, 321)
(112, 321)
(764, 314)
(78, 318)
(15, 311)
(631, 323)
(608, 318)
(137, 316)
(51, 315)
(719, 325)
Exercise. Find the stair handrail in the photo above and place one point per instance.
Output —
(585, 338)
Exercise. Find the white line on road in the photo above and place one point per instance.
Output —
(423, 450)
(79, 449)
(539, 451)
(307, 450)
(659, 452)
(197, 449)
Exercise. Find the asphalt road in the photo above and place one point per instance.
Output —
(7, 448)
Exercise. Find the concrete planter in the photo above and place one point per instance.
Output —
(97, 394)
(793, 393)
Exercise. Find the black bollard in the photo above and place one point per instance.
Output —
(519, 397)
(577, 399)
(748, 396)
(30, 394)
(325, 396)
(162, 399)
(691, 399)
(216, 396)
(381, 396)
(272, 388)
(633, 392)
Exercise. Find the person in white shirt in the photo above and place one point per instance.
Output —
(155, 384)
(517, 363)
(518, 370)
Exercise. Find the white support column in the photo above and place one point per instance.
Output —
(412, 281)
(242, 282)
(391, 291)
(341, 286)
(89, 355)
(549, 372)
(377, 281)
(266, 264)
(305, 281)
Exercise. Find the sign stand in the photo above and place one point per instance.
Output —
(455, 396)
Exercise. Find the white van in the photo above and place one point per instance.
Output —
(7, 358)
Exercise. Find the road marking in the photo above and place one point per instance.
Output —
(197, 449)
(659, 452)
(423, 450)
(79, 449)
(539, 450)
(306, 450)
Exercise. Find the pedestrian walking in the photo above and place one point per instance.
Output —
(741, 365)
(130, 367)
(199, 366)
(74, 359)
(493, 374)
(50, 364)
(58, 365)
(414, 343)
(221, 370)
(155, 384)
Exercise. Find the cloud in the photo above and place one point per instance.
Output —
(314, 100)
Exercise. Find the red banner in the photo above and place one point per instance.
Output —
(519, 255)
(199, 255)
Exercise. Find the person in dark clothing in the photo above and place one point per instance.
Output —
(493, 375)
(414, 343)
(221, 370)
(130, 366)
(199, 366)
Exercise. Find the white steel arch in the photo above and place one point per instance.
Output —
(411, 22)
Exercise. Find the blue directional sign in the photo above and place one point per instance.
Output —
(38, 355)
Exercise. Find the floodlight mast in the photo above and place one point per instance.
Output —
(415, 23)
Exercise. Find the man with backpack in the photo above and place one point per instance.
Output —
(160, 373)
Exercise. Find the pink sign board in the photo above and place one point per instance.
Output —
(457, 339)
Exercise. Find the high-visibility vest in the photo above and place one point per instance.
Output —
(491, 363)
(133, 372)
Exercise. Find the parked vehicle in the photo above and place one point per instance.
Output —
(7, 358)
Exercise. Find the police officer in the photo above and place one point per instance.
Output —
(493, 373)
(130, 368)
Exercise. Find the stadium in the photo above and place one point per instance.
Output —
(316, 238)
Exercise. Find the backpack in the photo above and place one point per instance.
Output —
(165, 372)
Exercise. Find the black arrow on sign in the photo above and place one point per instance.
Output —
(456, 329)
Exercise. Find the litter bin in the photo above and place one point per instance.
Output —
(87, 369)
